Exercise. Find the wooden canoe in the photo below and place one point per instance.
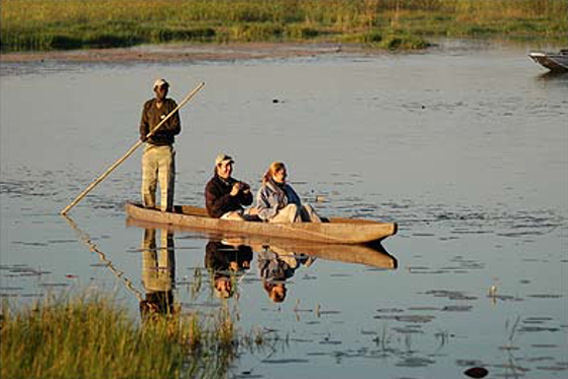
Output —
(335, 230)
(371, 255)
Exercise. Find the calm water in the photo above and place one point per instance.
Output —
(467, 149)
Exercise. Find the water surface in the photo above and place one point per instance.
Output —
(467, 149)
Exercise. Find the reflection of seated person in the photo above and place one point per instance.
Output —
(225, 259)
(275, 265)
(158, 273)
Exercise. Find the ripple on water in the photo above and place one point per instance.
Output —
(54, 285)
(559, 367)
(544, 346)
(285, 361)
(415, 362)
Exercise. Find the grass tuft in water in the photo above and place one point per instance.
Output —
(93, 336)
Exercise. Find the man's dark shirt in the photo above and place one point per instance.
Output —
(218, 200)
(152, 116)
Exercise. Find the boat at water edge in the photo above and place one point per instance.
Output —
(332, 230)
(557, 62)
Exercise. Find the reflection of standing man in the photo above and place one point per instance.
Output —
(158, 272)
(158, 157)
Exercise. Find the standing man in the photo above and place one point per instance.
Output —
(225, 196)
(158, 164)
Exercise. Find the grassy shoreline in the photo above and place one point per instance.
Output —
(93, 336)
(44, 25)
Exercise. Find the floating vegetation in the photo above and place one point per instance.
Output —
(408, 318)
(408, 330)
(330, 342)
(504, 297)
(553, 368)
(457, 308)
(528, 329)
(536, 320)
(423, 309)
(390, 310)
(545, 296)
(285, 361)
(415, 362)
(452, 295)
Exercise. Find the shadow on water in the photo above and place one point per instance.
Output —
(553, 75)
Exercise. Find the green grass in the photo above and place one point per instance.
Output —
(94, 337)
(71, 24)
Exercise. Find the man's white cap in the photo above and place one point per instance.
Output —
(160, 82)
(222, 158)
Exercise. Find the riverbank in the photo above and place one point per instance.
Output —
(44, 25)
(188, 52)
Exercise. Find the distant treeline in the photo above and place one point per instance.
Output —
(71, 24)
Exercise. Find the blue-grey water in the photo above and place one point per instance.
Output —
(465, 148)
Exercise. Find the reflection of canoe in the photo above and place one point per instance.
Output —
(373, 255)
(552, 61)
(369, 255)
(337, 230)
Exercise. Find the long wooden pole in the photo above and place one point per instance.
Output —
(130, 151)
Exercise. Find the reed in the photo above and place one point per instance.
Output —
(93, 336)
(67, 24)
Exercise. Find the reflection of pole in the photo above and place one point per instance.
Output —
(84, 237)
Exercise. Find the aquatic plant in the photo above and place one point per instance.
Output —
(93, 336)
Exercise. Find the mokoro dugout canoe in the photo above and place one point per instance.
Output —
(334, 230)
(372, 254)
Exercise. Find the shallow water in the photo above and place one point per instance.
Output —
(466, 149)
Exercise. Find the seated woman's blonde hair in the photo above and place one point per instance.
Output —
(272, 169)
